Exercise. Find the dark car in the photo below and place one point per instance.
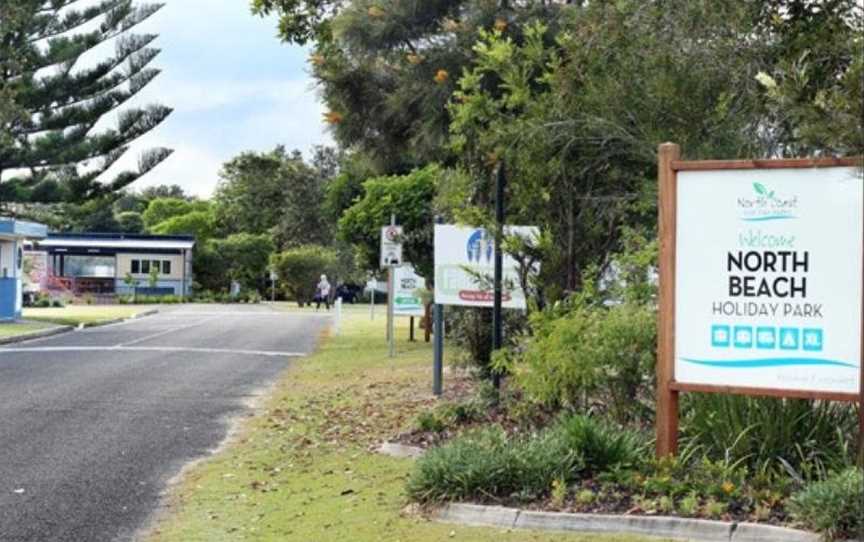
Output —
(349, 292)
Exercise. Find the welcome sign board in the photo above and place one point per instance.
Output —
(768, 289)
(465, 265)
(760, 290)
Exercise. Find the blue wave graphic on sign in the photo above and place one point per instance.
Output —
(768, 362)
(769, 217)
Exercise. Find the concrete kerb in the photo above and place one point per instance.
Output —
(650, 526)
(113, 321)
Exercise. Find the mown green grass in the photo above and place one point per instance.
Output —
(301, 468)
(14, 329)
(72, 315)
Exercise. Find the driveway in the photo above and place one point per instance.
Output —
(94, 423)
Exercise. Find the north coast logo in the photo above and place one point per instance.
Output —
(764, 205)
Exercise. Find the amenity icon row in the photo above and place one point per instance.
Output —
(767, 338)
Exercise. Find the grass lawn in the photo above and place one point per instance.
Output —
(72, 315)
(13, 329)
(301, 468)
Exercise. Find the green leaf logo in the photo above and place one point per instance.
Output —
(760, 189)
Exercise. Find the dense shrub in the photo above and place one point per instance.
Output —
(300, 270)
(592, 357)
(241, 257)
(772, 437)
(834, 506)
(487, 465)
(470, 330)
(602, 445)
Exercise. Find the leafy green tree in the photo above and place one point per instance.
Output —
(410, 197)
(345, 188)
(49, 149)
(277, 193)
(164, 191)
(96, 215)
(131, 283)
(251, 194)
(161, 209)
(153, 277)
(387, 68)
(130, 222)
(300, 269)
(242, 257)
(197, 223)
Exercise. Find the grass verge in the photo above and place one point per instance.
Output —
(301, 468)
(14, 329)
(73, 315)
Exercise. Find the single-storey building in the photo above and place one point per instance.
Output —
(108, 264)
(12, 235)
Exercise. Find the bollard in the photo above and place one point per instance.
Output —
(338, 325)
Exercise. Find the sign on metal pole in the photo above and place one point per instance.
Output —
(391, 246)
(464, 267)
(760, 281)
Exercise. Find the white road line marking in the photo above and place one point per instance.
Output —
(170, 349)
(165, 332)
(178, 315)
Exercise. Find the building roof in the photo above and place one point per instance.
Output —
(12, 228)
(118, 241)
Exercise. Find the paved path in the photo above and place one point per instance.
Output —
(93, 423)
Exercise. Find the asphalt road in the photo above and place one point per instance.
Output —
(94, 423)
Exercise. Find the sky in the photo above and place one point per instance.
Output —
(234, 86)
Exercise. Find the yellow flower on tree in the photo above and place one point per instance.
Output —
(333, 117)
(727, 487)
(449, 25)
(442, 76)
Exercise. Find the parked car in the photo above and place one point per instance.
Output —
(349, 292)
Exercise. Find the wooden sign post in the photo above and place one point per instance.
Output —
(761, 282)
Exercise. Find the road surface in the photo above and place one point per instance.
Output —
(94, 423)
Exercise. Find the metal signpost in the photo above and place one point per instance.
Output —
(761, 285)
(273, 278)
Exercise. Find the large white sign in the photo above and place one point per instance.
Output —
(768, 278)
(407, 289)
(465, 266)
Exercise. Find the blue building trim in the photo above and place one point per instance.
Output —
(23, 229)
(8, 293)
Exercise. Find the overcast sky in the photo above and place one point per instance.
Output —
(234, 87)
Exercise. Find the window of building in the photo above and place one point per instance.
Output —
(166, 267)
(89, 266)
(136, 267)
(145, 266)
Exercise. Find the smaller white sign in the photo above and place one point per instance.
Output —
(407, 289)
(391, 246)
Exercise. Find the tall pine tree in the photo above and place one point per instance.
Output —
(53, 94)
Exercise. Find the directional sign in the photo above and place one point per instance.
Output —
(407, 287)
(391, 246)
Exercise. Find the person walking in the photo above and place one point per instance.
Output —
(322, 293)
